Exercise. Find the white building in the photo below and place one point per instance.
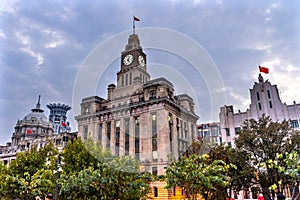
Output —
(37, 130)
(264, 100)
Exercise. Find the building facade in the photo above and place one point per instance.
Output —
(210, 133)
(34, 130)
(265, 99)
(58, 117)
(140, 117)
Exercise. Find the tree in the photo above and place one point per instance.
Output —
(197, 176)
(240, 175)
(28, 175)
(92, 173)
(263, 140)
(198, 147)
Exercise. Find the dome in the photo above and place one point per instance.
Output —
(36, 116)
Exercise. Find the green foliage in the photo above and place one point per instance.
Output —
(240, 173)
(197, 176)
(92, 173)
(89, 172)
(268, 144)
(28, 175)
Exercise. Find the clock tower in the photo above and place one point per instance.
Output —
(133, 73)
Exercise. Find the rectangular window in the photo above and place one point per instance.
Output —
(192, 132)
(130, 78)
(269, 95)
(229, 144)
(100, 133)
(181, 127)
(137, 137)
(122, 77)
(294, 123)
(127, 136)
(108, 134)
(117, 146)
(170, 119)
(270, 104)
(257, 95)
(126, 79)
(185, 130)
(85, 132)
(227, 131)
(237, 130)
(154, 171)
(154, 132)
(259, 106)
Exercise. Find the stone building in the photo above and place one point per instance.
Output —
(34, 130)
(140, 117)
(265, 99)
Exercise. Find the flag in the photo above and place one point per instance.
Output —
(28, 131)
(63, 124)
(264, 69)
(136, 19)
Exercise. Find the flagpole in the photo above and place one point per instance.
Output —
(133, 25)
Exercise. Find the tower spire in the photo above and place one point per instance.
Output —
(38, 106)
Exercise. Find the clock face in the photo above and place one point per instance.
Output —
(142, 61)
(128, 59)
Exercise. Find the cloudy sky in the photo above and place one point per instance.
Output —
(44, 44)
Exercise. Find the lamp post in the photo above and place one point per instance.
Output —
(59, 162)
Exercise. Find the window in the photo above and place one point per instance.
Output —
(152, 94)
(237, 130)
(85, 132)
(126, 79)
(257, 96)
(227, 131)
(154, 171)
(185, 130)
(269, 95)
(181, 127)
(170, 118)
(108, 132)
(127, 136)
(130, 78)
(259, 106)
(122, 80)
(294, 123)
(117, 147)
(192, 132)
(270, 104)
(137, 137)
(154, 133)
(229, 144)
(100, 133)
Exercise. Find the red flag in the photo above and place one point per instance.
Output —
(63, 124)
(264, 69)
(136, 19)
(28, 131)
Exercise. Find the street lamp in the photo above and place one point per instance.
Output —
(59, 169)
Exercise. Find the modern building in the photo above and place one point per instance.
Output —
(34, 130)
(265, 99)
(140, 117)
(210, 133)
(58, 117)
